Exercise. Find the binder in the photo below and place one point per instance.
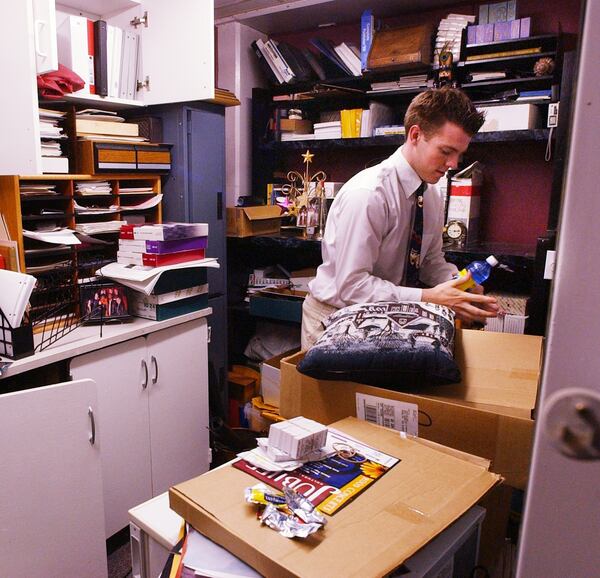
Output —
(72, 46)
(14, 297)
(100, 58)
(326, 49)
(91, 50)
(264, 64)
(159, 260)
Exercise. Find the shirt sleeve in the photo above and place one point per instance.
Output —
(434, 267)
(358, 238)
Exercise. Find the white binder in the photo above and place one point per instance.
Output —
(15, 290)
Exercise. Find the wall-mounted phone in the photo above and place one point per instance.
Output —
(553, 114)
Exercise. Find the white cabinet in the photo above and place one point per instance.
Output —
(51, 512)
(177, 60)
(153, 398)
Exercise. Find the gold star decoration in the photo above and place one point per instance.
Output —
(308, 156)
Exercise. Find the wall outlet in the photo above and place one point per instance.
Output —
(553, 114)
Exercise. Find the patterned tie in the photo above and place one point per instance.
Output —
(413, 260)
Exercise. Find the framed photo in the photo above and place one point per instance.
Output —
(102, 302)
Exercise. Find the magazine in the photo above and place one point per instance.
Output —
(333, 482)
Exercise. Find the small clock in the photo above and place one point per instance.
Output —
(455, 233)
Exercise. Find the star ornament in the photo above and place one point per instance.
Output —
(308, 156)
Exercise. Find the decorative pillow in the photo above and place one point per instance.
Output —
(392, 345)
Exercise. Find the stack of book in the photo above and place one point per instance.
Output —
(166, 245)
(93, 124)
(498, 21)
(351, 122)
(326, 130)
(51, 133)
(285, 63)
(449, 35)
(409, 82)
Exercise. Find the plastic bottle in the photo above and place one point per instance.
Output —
(480, 271)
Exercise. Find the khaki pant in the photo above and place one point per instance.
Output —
(313, 314)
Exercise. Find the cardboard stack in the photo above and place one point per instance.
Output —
(178, 291)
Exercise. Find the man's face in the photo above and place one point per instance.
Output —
(438, 152)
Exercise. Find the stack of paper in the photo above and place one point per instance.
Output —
(404, 82)
(93, 188)
(94, 210)
(51, 133)
(36, 189)
(99, 227)
(449, 35)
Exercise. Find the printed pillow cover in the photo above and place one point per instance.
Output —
(392, 345)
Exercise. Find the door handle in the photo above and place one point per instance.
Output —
(145, 382)
(219, 206)
(155, 364)
(92, 437)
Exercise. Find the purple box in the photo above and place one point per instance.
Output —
(515, 28)
(176, 245)
(525, 27)
(488, 33)
(472, 34)
(501, 31)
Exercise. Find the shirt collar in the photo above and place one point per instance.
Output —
(408, 177)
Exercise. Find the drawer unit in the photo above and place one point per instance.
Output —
(101, 157)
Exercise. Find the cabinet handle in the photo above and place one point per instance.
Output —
(155, 363)
(92, 437)
(39, 26)
(219, 206)
(145, 382)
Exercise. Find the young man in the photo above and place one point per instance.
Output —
(369, 248)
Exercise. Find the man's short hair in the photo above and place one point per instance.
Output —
(431, 109)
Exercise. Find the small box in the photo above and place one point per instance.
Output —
(488, 414)
(297, 437)
(498, 12)
(298, 126)
(251, 221)
(525, 28)
(501, 31)
(510, 117)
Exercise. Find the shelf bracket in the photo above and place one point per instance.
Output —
(139, 21)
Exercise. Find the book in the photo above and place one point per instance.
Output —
(367, 30)
(169, 231)
(100, 58)
(296, 61)
(504, 54)
(264, 64)
(140, 307)
(106, 127)
(177, 295)
(15, 294)
(326, 48)
(314, 63)
(159, 260)
(159, 247)
(333, 482)
(349, 58)
(268, 56)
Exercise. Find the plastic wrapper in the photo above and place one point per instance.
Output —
(291, 514)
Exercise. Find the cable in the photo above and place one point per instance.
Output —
(548, 154)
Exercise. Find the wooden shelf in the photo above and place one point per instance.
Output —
(521, 57)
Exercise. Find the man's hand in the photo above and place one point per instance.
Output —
(467, 306)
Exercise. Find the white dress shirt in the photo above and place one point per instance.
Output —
(366, 239)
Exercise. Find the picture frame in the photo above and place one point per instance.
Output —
(103, 302)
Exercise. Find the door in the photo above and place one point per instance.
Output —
(44, 35)
(206, 182)
(178, 395)
(561, 525)
(121, 372)
(51, 511)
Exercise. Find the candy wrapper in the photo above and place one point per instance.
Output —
(291, 514)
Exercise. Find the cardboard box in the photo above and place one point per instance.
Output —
(250, 221)
(299, 126)
(413, 502)
(510, 117)
(270, 378)
(488, 414)
(281, 304)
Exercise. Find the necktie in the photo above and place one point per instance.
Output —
(413, 260)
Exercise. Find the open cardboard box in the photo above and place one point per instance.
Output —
(415, 500)
(250, 221)
(488, 414)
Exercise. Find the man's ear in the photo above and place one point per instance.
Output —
(414, 132)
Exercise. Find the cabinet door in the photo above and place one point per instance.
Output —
(44, 34)
(178, 394)
(177, 50)
(51, 511)
(122, 377)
